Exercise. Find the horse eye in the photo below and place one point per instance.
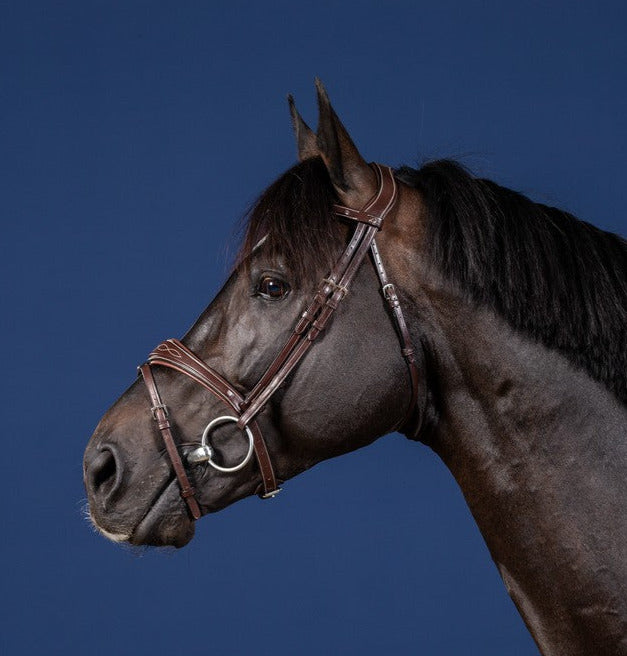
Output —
(272, 288)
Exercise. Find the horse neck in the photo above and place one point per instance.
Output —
(540, 454)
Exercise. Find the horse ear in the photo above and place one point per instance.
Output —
(305, 137)
(352, 178)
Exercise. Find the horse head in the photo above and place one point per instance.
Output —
(348, 384)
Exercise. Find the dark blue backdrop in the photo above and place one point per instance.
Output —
(133, 136)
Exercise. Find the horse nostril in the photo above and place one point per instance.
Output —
(104, 473)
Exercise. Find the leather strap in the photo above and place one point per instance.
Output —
(175, 355)
(357, 215)
(389, 293)
(160, 415)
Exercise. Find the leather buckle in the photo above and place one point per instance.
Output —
(336, 288)
(389, 291)
(159, 406)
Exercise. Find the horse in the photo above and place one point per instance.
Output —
(366, 300)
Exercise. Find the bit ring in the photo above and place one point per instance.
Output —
(204, 453)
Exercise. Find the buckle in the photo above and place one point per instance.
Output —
(389, 291)
(159, 406)
(336, 287)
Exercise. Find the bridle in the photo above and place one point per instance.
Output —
(175, 355)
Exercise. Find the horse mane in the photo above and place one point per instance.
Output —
(560, 281)
(557, 279)
(293, 216)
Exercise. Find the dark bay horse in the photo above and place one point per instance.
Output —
(487, 326)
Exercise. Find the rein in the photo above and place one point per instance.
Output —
(174, 355)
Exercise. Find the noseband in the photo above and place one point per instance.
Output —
(174, 355)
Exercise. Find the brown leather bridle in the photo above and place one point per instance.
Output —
(332, 290)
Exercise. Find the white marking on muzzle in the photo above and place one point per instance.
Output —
(114, 537)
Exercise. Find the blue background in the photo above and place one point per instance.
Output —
(133, 136)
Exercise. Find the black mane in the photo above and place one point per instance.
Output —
(559, 280)
(294, 216)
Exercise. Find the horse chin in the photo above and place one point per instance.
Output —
(166, 524)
